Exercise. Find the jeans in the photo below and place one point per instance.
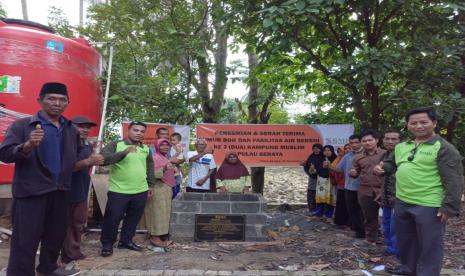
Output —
(390, 239)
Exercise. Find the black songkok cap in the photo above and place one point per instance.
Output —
(54, 88)
(83, 121)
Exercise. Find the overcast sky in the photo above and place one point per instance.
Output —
(38, 12)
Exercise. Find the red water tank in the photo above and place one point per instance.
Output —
(32, 54)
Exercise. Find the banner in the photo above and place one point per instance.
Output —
(150, 133)
(271, 145)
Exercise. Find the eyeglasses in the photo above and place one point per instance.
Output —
(412, 154)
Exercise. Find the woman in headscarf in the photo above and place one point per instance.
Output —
(341, 216)
(157, 211)
(325, 192)
(233, 176)
(313, 161)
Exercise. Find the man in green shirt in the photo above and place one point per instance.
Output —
(428, 189)
(131, 179)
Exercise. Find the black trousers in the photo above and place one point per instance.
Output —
(311, 202)
(420, 238)
(370, 209)
(355, 213)
(126, 207)
(38, 219)
(341, 217)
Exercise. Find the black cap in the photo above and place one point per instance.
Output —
(82, 121)
(54, 88)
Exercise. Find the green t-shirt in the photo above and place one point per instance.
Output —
(418, 180)
(129, 176)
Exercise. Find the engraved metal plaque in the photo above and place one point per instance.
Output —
(219, 227)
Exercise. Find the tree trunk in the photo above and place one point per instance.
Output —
(452, 125)
(24, 9)
(373, 92)
(253, 89)
(258, 179)
(211, 103)
(255, 117)
(81, 13)
(359, 109)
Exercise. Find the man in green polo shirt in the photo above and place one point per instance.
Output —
(428, 189)
(131, 175)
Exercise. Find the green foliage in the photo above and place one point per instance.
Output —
(146, 84)
(370, 56)
(2, 11)
(360, 62)
(174, 53)
(278, 114)
(58, 21)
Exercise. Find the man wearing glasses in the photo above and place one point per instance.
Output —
(429, 186)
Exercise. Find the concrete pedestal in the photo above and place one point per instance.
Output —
(187, 205)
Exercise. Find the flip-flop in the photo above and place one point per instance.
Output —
(169, 243)
(158, 244)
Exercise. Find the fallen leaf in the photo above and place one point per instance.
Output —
(316, 267)
(294, 228)
(375, 259)
(283, 229)
(340, 249)
(289, 267)
(309, 243)
(271, 234)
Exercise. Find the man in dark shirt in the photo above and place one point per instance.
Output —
(388, 192)
(369, 193)
(71, 250)
(44, 148)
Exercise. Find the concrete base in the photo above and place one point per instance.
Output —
(187, 205)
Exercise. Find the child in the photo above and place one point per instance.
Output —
(177, 155)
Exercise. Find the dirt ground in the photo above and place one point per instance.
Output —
(306, 244)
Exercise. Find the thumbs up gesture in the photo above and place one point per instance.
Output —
(378, 169)
(353, 172)
(326, 163)
(312, 169)
(36, 135)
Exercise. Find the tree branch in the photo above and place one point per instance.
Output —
(338, 38)
(385, 20)
(317, 61)
(367, 22)
(185, 64)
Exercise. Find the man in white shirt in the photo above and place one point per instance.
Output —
(201, 166)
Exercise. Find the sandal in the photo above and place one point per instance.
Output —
(158, 243)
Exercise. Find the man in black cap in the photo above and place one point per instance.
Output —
(45, 149)
(80, 182)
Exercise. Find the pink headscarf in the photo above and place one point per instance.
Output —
(160, 161)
